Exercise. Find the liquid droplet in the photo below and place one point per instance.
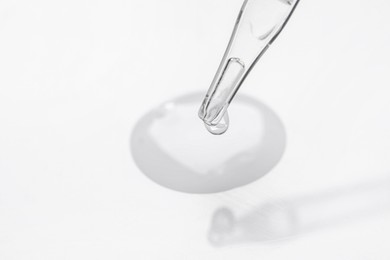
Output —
(221, 127)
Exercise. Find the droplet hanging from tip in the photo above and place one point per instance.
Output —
(221, 127)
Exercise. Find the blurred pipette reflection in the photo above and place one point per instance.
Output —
(285, 218)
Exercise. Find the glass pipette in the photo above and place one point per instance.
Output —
(258, 24)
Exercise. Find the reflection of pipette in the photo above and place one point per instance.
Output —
(296, 215)
(258, 24)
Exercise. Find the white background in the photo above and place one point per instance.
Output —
(75, 76)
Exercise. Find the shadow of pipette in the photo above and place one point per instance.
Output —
(286, 218)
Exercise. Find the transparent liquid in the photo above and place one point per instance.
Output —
(215, 107)
(173, 150)
(221, 127)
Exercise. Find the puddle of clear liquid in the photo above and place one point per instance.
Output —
(171, 148)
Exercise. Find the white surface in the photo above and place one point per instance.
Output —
(75, 76)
